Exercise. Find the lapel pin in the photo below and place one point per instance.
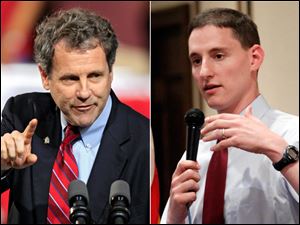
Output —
(46, 140)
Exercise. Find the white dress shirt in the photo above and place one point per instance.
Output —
(255, 192)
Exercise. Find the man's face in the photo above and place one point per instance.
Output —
(80, 83)
(222, 69)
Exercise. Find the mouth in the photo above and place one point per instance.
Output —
(83, 108)
(211, 88)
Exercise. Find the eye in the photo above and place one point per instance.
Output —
(196, 61)
(73, 78)
(69, 79)
(95, 77)
(219, 56)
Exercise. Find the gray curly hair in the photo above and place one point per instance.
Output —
(81, 29)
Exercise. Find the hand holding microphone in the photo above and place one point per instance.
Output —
(194, 119)
(186, 176)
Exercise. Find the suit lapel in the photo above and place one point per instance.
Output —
(110, 162)
(46, 143)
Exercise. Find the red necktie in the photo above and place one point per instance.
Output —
(64, 171)
(213, 206)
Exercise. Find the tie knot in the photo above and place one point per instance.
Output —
(71, 133)
(70, 130)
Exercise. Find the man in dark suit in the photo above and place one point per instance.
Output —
(75, 51)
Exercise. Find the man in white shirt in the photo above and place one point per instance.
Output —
(225, 54)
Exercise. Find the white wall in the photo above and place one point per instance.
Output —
(278, 25)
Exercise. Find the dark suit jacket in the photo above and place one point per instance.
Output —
(123, 154)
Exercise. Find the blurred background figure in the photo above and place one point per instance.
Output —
(18, 19)
(131, 69)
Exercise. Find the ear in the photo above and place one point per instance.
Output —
(257, 57)
(45, 78)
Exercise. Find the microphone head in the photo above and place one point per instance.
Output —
(119, 188)
(194, 117)
(77, 188)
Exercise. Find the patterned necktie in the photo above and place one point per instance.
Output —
(64, 171)
(213, 206)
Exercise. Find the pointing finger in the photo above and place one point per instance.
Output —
(29, 131)
(19, 142)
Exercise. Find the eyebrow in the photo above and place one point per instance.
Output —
(213, 50)
(221, 49)
(70, 75)
(99, 72)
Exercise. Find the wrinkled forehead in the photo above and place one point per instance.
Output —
(68, 45)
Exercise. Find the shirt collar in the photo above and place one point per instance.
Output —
(259, 107)
(88, 133)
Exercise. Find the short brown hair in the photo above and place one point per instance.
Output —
(244, 29)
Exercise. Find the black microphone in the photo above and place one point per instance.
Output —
(119, 200)
(78, 202)
(194, 119)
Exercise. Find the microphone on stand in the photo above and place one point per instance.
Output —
(78, 202)
(194, 119)
(119, 200)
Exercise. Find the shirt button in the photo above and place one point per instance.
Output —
(88, 146)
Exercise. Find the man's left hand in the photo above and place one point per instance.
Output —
(245, 132)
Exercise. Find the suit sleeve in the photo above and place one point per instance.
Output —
(7, 127)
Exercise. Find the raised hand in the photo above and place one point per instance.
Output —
(16, 148)
(245, 132)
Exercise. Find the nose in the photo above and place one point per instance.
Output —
(206, 69)
(83, 92)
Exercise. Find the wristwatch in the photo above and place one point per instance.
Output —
(290, 155)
